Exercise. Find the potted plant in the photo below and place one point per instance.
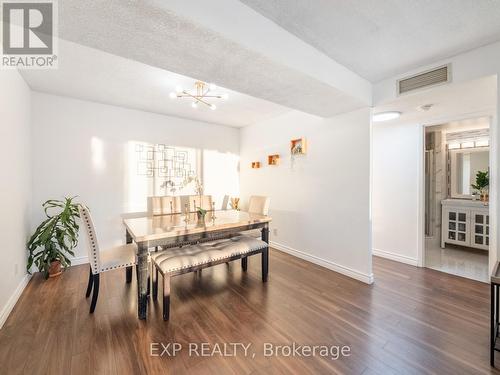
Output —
(482, 184)
(201, 213)
(55, 238)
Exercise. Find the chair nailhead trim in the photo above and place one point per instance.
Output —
(118, 266)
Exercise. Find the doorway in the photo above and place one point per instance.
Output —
(456, 199)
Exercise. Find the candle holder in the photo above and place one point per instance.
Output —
(186, 213)
(213, 211)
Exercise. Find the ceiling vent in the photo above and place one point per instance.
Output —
(423, 80)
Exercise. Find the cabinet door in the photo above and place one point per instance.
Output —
(457, 230)
(480, 229)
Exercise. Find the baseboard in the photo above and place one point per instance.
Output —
(4, 314)
(76, 261)
(368, 279)
(395, 257)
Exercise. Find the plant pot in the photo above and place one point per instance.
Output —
(485, 197)
(55, 268)
(200, 216)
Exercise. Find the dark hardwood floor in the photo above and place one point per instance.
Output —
(410, 321)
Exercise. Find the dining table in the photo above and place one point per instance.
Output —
(174, 230)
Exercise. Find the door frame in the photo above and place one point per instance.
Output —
(493, 203)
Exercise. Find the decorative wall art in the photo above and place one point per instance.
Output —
(273, 159)
(298, 146)
(164, 162)
(256, 164)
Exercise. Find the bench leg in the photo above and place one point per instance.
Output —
(166, 297)
(244, 263)
(154, 276)
(128, 274)
(265, 264)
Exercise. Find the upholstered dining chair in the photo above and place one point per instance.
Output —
(123, 256)
(257, 205)
(164, 205)
(225, 202)
(203, 201)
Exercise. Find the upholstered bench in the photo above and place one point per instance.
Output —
(178, 261)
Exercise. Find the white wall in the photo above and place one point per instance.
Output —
(477, 63)
(15, 187)
(397, 153)
(80, 148)
(320, 203)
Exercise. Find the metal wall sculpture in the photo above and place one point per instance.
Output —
(165, 163)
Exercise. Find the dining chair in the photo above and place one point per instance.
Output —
(225, 202)
(123, 256)
(203, 201)
(164, 205)
(257, 205)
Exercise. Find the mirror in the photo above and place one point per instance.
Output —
(464, 164)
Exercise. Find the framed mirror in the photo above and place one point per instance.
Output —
(464, 165)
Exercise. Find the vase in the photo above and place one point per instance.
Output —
(235, 203)
(55, 268)
(485, 197)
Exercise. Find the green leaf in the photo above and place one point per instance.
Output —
(482, 181)
(56, 236)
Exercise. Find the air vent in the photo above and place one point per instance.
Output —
(423, 80)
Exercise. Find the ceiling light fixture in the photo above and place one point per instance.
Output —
(202, 92)
(385, 116)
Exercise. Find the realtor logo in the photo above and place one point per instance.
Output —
(28, 34)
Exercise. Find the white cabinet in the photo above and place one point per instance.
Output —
(480, 229)
(456, 226)
(465, 223)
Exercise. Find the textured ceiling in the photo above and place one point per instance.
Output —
(90, 74)
(149, 33)
(380, 39)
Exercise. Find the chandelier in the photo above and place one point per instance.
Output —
(202, 92)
